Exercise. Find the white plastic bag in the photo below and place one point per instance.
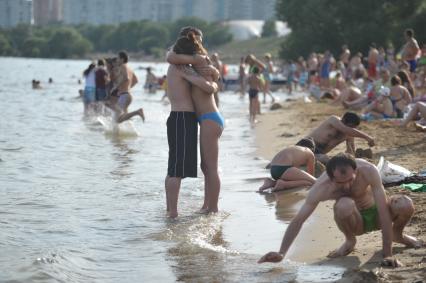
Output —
(390, 172)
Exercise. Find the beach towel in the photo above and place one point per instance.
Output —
(415, 187)
(415, 179)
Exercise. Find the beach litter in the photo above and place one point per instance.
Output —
(390, 172)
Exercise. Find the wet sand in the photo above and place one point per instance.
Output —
(406, 147)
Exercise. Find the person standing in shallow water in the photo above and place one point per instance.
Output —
(255, 85)
(182, 127)
(124, 81)
(211, 121)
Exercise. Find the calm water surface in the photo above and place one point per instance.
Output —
(77, 205)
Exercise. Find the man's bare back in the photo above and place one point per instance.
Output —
(327, 136)
(296, 156)
(335, 130)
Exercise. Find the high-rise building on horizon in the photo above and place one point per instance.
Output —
(118, 11)
(47, 11)
(14, 12)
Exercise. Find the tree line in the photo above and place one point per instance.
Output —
(58, 41)
(327, 24)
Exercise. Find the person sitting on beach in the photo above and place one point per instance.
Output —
(284, 167)
(334, 131)
(380, 108)
(406, 82)
(255, 85)
(418, 110)
(361, 206)
(339, 87)
(371, 91)
(399, 96)
(373, 56)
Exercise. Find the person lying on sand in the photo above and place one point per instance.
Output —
(284, 167)
(361, 206)
(334, 131)
(419, 109)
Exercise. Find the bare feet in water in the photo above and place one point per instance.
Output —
(268, 183)
(203, 211)
(271, 257)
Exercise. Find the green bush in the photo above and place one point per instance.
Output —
(328, 24)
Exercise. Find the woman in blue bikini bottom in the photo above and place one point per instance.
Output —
(213, 116)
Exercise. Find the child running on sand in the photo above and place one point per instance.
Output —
(284, 167)
(255, 84)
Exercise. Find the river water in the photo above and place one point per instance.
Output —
(77, 205)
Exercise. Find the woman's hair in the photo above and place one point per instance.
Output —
(89, 69)
(185, 30)
(405, 79)
(395, 80)
(189, 45)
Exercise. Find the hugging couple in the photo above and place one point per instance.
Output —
(192, 83)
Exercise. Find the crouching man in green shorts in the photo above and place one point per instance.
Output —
(361, 206)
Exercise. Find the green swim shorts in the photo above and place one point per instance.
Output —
(369, 217)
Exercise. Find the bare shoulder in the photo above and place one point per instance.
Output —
(333, 118)
(321, 190)
(366, 168)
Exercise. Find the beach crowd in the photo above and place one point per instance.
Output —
(384, 84)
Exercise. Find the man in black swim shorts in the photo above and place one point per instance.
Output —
(182, 133)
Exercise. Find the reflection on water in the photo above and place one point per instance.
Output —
(79, 205)
(123, 157)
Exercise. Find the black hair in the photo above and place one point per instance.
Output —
(341, 162)
(185, 30)
(409, 32)
(395, 80)
(101, 62)
(255, 70)
(328, 95)
(307, 142)
(189, 44)
(90, 68)
(406, 81)
(351, 119)
(123, 55)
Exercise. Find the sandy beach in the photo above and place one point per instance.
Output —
(406, 147)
